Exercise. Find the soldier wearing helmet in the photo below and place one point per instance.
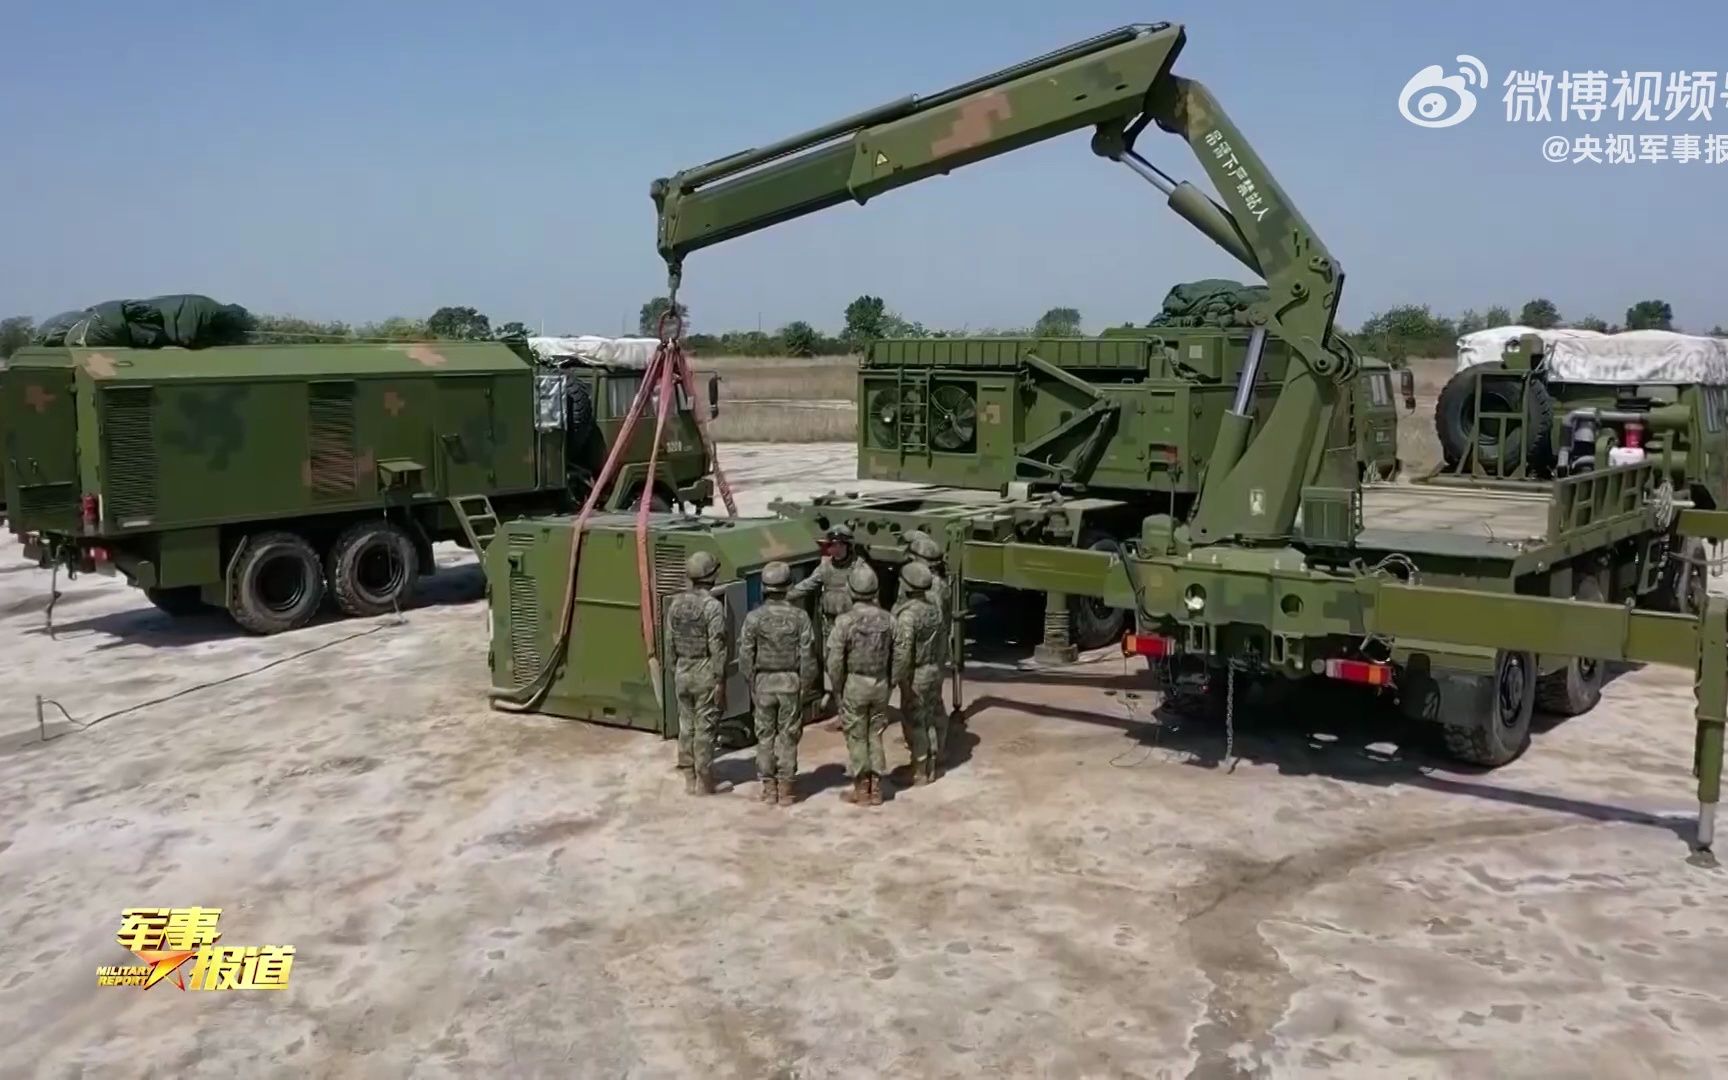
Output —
(860, 660)
(828, 582)
(925, 553)
(696, 635)
(777, 657)
(920, 654)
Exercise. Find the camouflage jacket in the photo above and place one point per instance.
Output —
(860, 644)
(937, 595)
(696, 628)
(777, 645)
(830, 580)
(920, 646)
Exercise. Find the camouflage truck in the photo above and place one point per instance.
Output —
(265, 479)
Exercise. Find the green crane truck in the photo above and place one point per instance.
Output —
(1463, 605)
(263, 479)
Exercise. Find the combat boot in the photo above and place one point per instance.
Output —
(920, 772)
(770, 790)
(875, 790)
(787, 798)
(689, 781)
(860, 793)
(704, 782)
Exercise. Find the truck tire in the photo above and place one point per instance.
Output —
(581, 415)
(1491, 727)
(275, 583)
(1453, 419)
(1575, 689)
(1091, 624)
(372, 568)
(179, 602)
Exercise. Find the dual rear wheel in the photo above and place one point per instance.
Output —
(278, 580)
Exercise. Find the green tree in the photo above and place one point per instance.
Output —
(1592, 322)
(1719, 331)
(511, 329)
(894, 325)
(15, 334)
(800, 338)
(291, 330)
(648, 319)
(863, 321)
(461, 323)
(1498, 315)
(1540, 314)
(1650, 315)
(1058, 322)
(395, 328)
(1470, 320)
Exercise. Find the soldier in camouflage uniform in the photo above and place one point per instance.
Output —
(696, 625)
(777, 657)
(828, 581)
(920, 654)
(860, 655)
(921, 550)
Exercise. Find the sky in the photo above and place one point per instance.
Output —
(365, 159)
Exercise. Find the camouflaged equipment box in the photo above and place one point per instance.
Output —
(168, 465)
(1128, 416)
(604, 674)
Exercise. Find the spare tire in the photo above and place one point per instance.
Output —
(1529, 443)
(581, 412)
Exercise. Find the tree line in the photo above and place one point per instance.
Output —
(1398, 332)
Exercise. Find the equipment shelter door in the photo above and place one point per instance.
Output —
(465, 437)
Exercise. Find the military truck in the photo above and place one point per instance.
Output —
(264, 479)
(1285, 567)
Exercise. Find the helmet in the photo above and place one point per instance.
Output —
(841, 532)
(911, 537)
(926, 549)
(916, 576)
(862, 582)
(701, 566)
(776, 576)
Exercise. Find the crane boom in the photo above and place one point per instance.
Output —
(1117, 83)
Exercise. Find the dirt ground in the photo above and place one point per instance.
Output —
(1092, 891)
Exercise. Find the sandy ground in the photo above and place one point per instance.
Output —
(1091, 892)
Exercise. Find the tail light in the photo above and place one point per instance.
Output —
(1153, 645)
(90, 509)
(1364, 672)
(1634, 435)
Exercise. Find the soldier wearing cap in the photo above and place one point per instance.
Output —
(777, 657)
(828, 580)
(696, 629)
(860, 659)
(920, 654)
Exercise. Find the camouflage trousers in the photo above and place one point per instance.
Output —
(698, 711)
(779, 709)
(923, 720)
(864, 717)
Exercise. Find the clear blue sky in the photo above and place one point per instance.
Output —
(364, 159)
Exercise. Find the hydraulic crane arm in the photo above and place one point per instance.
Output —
(1117, 83)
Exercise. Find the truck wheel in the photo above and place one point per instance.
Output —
(179, 602)
(1091, 623)
(1575, 689)
(276, 583)
(372, 568)
(1486, 719)
(1454, 418)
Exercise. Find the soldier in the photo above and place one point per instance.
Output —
(696, 621)
(860, 654)
(920, 654)
(777, 657)
(920, 549)
(829, 579)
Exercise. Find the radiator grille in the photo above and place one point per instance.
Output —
(668, 569)
(525, 657)
(330, 438)
(129, 454)
(47, 499)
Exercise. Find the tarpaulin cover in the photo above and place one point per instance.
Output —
(1210, 302)
(627, 352)
(183, 320)
(1627, 358)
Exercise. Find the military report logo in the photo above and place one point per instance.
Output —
(164, 939)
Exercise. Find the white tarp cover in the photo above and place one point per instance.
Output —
(628, 352)
(1627, 358)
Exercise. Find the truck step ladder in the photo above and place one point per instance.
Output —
(912, 417)
(479, 523)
